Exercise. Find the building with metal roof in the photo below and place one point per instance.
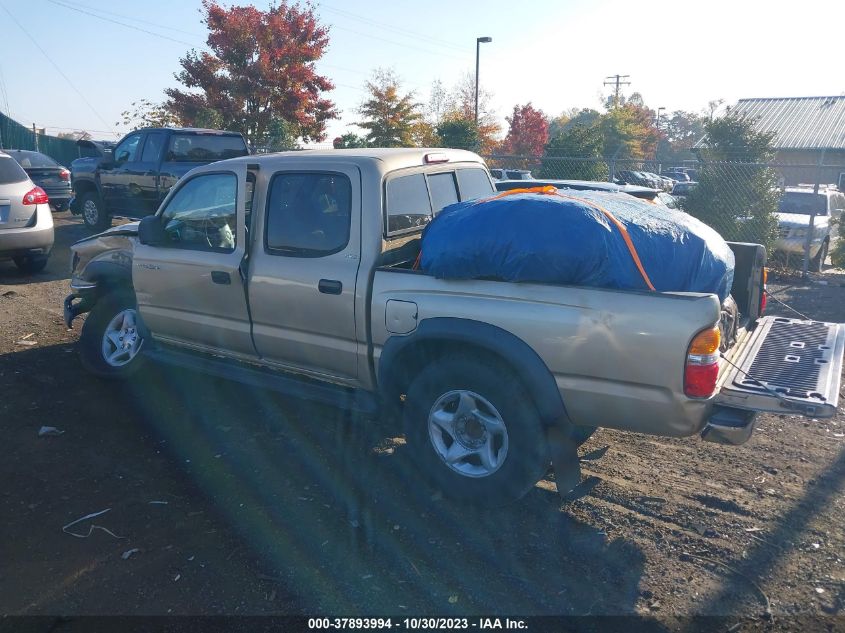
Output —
(808, 131)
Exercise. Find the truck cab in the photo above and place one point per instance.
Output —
(132, 178)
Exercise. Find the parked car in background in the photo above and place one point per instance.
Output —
(644, 193)
(796, 206)
(667, 200)
(511, 174)
(677, 176)
(134, 177)
(26, 223)
(641, 178)
(53, 178)
(682, 189)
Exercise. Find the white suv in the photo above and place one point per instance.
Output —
(796, 206)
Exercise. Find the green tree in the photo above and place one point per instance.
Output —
(459, 133)
(581, 145)
(738, 199)
(145, 113)
(389, 117)
(629, 132)
(350, 140)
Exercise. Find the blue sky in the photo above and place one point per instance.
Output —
(554, 53)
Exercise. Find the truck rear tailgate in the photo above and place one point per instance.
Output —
(787, 366)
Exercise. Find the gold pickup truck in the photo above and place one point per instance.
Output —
(294, 272)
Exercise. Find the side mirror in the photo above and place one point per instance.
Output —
(151, 231)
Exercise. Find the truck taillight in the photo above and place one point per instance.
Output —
(64, 175)
(36, 195)
(702, 367)
(765, 281)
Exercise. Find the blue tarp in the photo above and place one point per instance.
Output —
(568, 240)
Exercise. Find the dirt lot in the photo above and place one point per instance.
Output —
(236, 501)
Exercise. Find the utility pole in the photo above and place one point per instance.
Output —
(618, 80)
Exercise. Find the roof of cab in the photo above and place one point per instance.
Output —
(389, 158)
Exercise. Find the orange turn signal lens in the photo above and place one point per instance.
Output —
(706, 342)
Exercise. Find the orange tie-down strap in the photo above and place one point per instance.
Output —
(552, 191)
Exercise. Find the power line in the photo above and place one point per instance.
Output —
(402, 44)
(135, 19)
(58, 70)
(415, 34)
(128, 26)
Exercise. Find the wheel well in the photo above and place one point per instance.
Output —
(82, 187)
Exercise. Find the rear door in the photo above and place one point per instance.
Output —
(785, 366)
(304, 267)
(191, 292)
(145, 180)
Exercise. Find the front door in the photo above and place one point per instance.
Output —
(190, 291)
(302, 283)
(116, 176)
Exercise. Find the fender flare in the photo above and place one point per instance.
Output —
(537, 377)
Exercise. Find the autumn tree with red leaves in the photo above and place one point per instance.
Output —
(259, 76)
(528, 132)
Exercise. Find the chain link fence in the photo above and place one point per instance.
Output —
(739, 200)
(13, 135)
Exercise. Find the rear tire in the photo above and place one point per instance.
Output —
(474, 431)
(31, 264)
(93, 214)
(111, 341)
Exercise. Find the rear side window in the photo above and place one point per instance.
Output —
(474, 183)
(10, 171)
(443, 189)
(308, 214)
(408, 205)
(198, 148)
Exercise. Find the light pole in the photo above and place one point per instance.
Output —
(659, 110)
(478, 42)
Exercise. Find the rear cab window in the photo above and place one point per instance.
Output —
(193, 148)
(10, 171)
(413, 199)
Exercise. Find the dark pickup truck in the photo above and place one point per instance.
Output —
(133, 178)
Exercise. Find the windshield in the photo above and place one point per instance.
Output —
(805, 202)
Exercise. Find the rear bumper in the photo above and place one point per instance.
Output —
(31, 241)
(795, 245)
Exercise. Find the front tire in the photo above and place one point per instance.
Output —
(94, 216)
(111, 341)
(474, 431)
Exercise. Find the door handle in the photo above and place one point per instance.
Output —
(330, 286)
(221, 277)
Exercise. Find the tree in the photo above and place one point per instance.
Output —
(145, 113)
(350, 140)
(462, 106)
(629, 132)
(739, 200)
(580, 141)
(528, 132)
(680, 131)
(458, 133)
(390, 117)
(260, 69)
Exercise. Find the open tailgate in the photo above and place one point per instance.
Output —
(785, 366)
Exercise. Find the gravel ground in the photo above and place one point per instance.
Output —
(226, 500)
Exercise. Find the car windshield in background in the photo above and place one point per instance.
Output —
(10, 171)
(32, 159)
(803, 202)
(188, 148)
